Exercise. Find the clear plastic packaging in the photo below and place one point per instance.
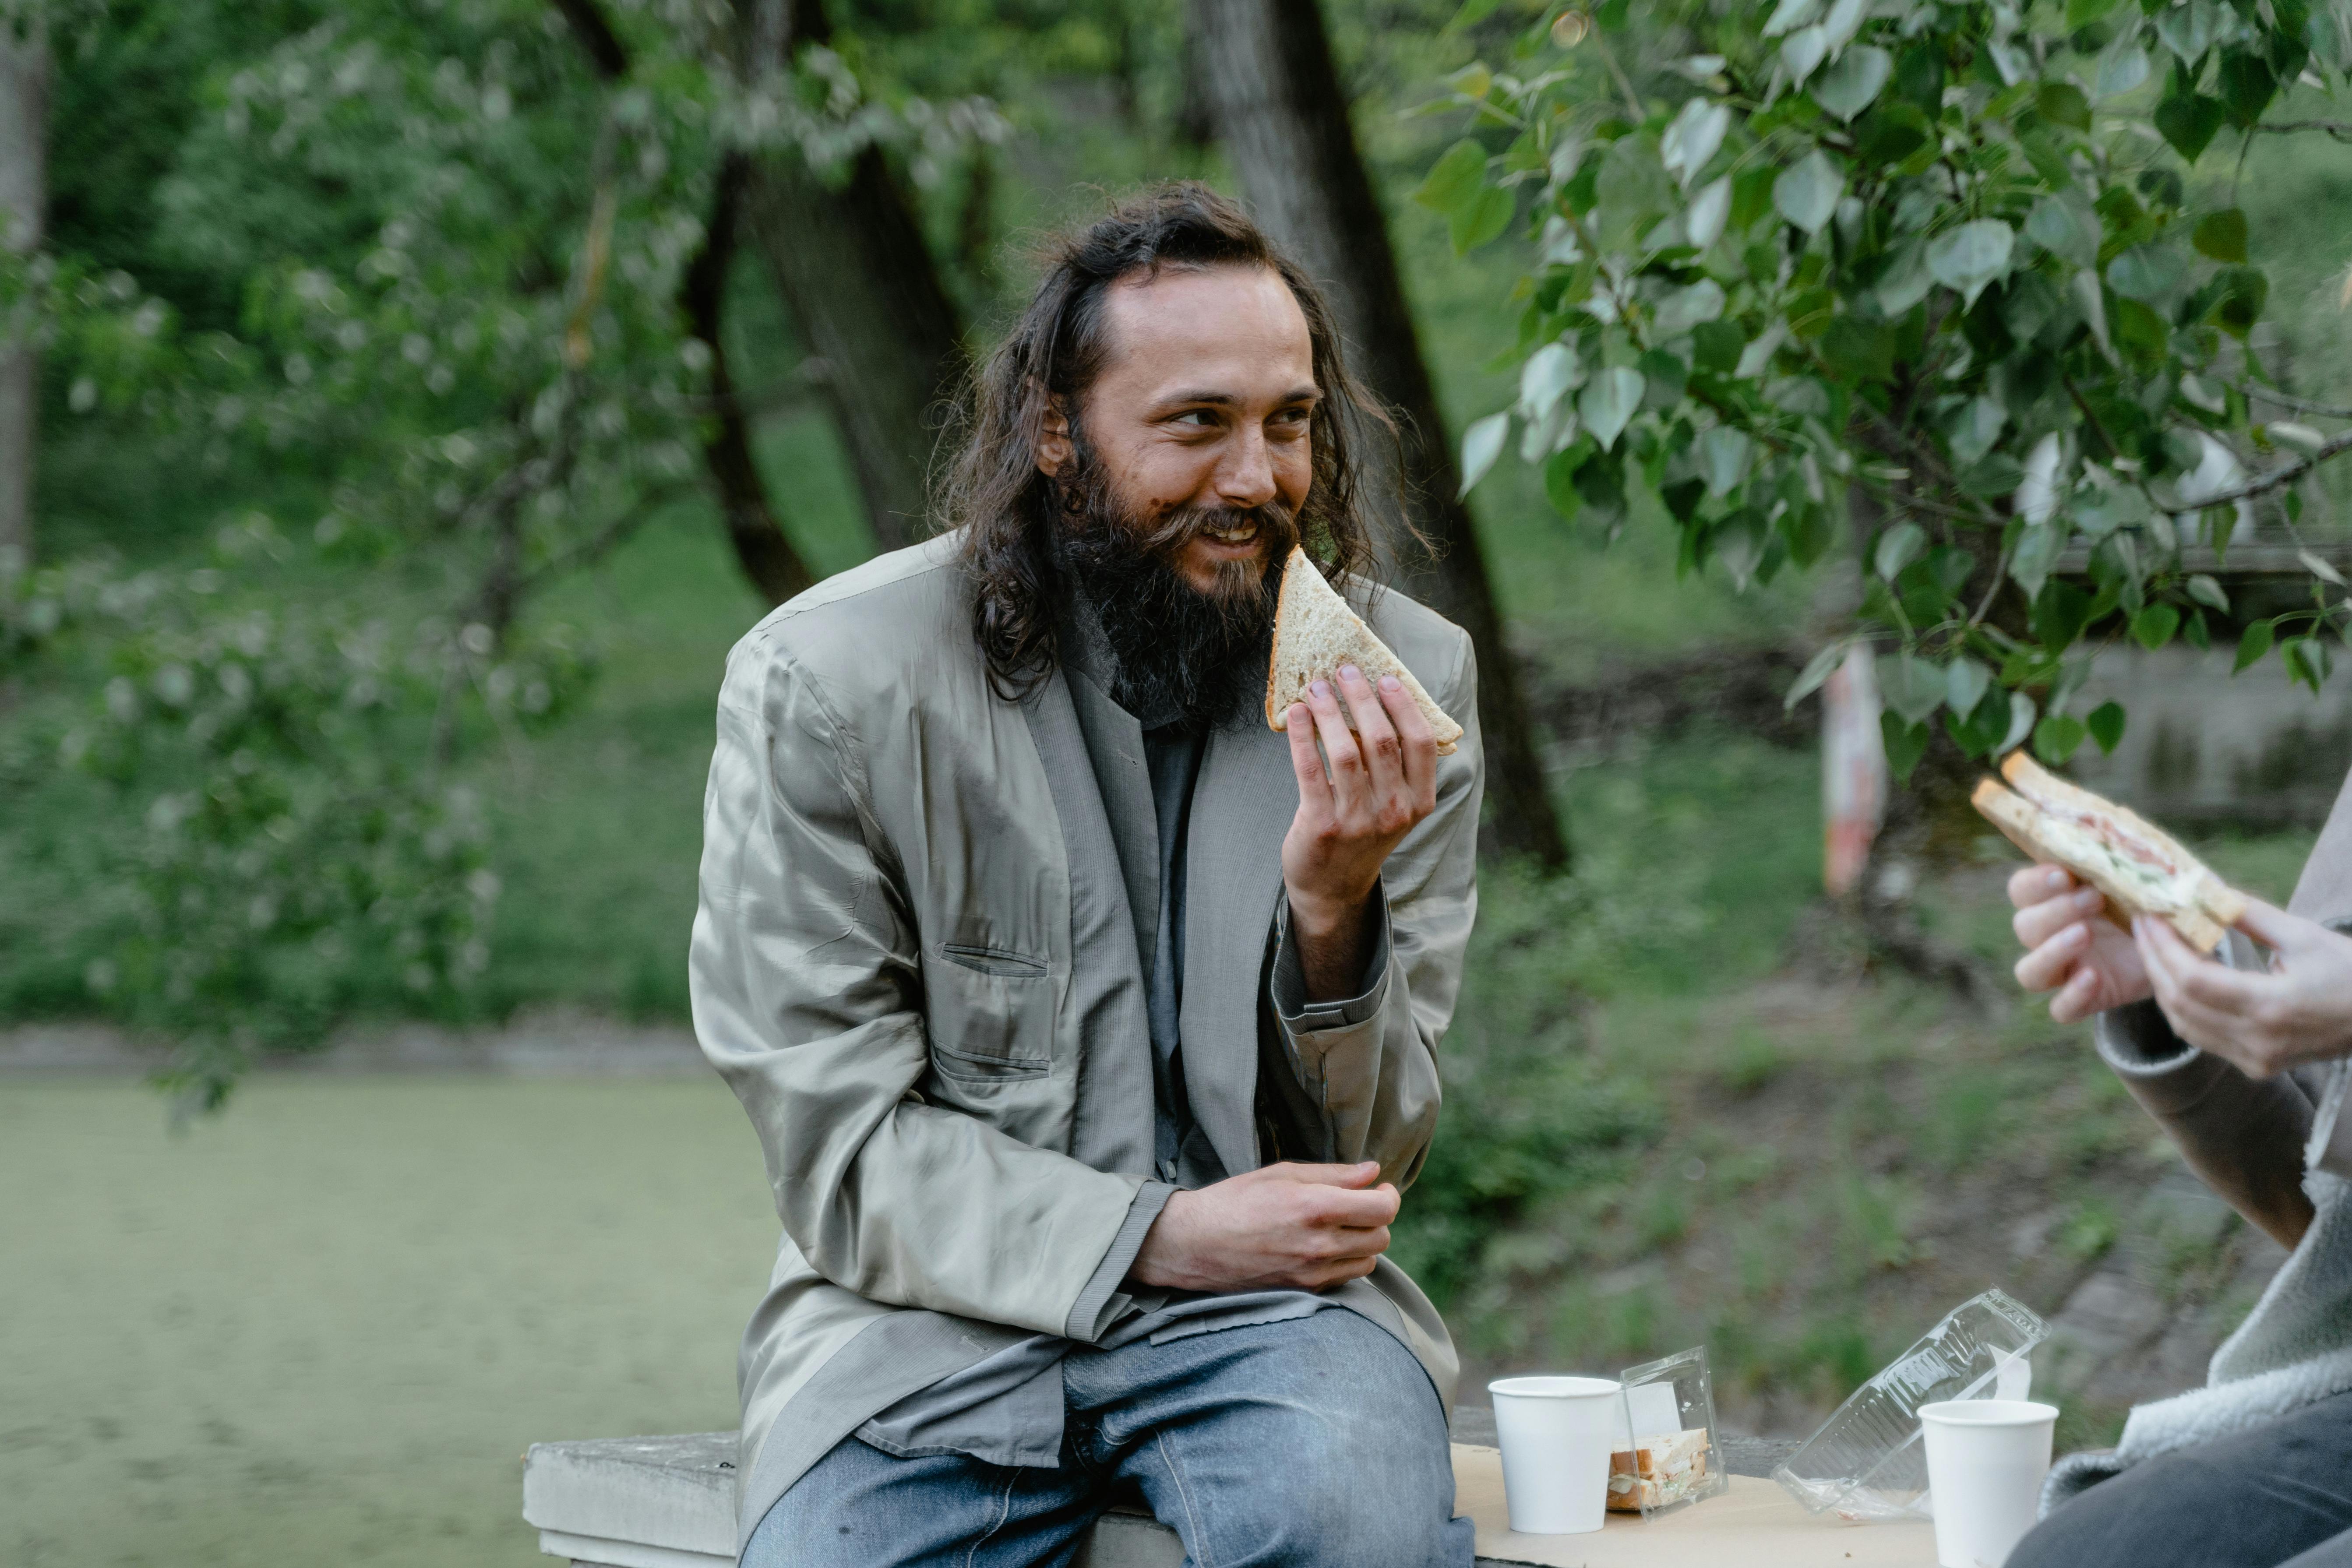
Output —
(1866, 1462)
(1666, 1457)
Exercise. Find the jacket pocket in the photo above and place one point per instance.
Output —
(989, 1013)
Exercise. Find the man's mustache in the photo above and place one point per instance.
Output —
(1277, 528)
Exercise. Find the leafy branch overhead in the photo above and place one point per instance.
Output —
(1947, 270)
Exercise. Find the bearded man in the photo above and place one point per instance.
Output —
(1088, 1025)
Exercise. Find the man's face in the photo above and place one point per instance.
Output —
(1204, 408)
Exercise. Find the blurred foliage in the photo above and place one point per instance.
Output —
(1946, 260)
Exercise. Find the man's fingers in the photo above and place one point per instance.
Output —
(2037, 923)
(2051, 963)
(2035, 884)
(1343, 760)
(1362, 1174)
(1384, 749)
(2077, 999)
(1299, 725)
(2273, 927)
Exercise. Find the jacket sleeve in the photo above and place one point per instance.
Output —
(807, 996)
(2242, 1136)
(1357, 1079)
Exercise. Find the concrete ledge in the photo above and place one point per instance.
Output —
(669, 1502)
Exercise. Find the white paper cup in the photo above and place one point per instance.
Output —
(1555, 1434)
(1986, 1458)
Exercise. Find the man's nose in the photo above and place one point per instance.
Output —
(1246, 478)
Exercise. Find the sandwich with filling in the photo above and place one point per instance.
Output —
(1315, 633)
(2142, 869)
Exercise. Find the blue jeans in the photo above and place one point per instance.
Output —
(2279, 1496)
(1317, 1442)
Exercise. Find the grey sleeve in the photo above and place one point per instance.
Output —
(1100, 1300)
(2243, 1137)
(1288, 985)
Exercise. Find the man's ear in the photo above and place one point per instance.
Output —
(1054, 447)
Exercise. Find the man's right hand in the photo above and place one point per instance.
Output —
(2073, 948)
(1288, 1226)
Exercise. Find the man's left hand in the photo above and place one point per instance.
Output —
(1356, 801)
(2299, 1012)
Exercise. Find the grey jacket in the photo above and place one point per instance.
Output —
(2251, 1139)
(916, 962)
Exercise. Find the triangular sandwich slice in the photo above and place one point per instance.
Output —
(2142, 869)
(1315, 633)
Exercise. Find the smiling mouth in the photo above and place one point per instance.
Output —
(1241, 533)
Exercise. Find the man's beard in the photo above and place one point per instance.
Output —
(1183, 654)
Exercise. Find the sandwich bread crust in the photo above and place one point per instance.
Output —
(2139, 868)
(1316, 632)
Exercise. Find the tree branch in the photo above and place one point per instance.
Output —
(2299, 404)
(2335, 446)
(2338, 129)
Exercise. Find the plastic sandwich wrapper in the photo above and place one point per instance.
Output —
(1665, 1456)
(1867, 1461)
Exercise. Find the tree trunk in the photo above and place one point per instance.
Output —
(1275, 103)
(855, 272)
(761, 547)
(23, 200)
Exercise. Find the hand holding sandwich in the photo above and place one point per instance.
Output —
(2071, 947)
(2301, 1011)
(1367, 790)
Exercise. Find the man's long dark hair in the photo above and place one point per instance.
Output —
(1009, 510)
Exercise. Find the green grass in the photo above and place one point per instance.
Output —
(323, 1329)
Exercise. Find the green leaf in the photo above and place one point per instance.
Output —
(1852, 83)
(1859, 351)
(2190, 122)
(2080, 13)
(2188, 30)
(1971, 257)
(1965, 683)
(1551, 373)
(2022, 713)
(1722, 455)
(1897, 548)
(2150, 274)
(1483, 218)
(1454, 180)
(1481, 445)
(1807, 193)
(2037, 551)
(1609, 402)
(1802, 51)
(1559, 477)
(2060, 613)
(2253, 643)
(1912, 687)
(2064, 224)
(1791, 15)
(2195, 630)
(2244, 291)
(2106, 725)
(1716, 346)
(1663, 378)
(2121, 69)
(1905, 745)
(2206, 592)
(2222, 235)
(1704, 219)
(1905, 280)
(1683, 308)
(2307, 661)
(2057, 737)
(2061, 103)
(1817, 670)
(1691, 139)
(2247, 84)
(2154, 627)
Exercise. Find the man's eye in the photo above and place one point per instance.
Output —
(1199, 418)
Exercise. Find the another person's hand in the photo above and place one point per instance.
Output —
(2071, 947)
(2300, 1011)
(1287, 1227)
(1380, 781)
